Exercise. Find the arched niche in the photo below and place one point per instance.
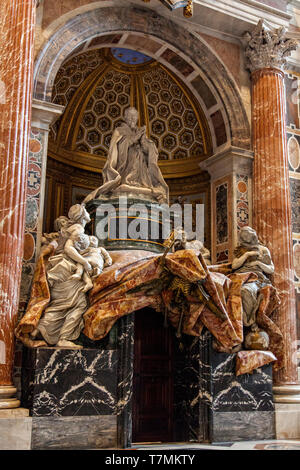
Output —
(172, 44)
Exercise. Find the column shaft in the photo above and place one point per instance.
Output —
(271, 201)
(16, 76)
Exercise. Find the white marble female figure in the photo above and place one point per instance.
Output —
(62, 320)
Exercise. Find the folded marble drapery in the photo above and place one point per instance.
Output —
(173, 285)
(137, 279)
(40, 294)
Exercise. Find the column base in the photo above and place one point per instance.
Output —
(287, 411)
(15, 429)
(6, 399)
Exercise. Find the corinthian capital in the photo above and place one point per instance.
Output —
(267, 47)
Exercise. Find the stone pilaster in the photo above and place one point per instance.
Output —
(16, 74)
(231, 194)
(43, 115)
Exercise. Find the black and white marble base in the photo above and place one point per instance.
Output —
(212, 403)
(88, 391)
(69, 382)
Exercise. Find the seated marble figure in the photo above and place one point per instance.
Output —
(251, 255)
(131, 167)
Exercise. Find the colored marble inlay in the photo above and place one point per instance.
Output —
(293, 153)
(293, 147)
(128, 56)
(292, 98)
(219, 126)
(242, 208)
(178, 62)
(204, 91)
(296, 250)
(221, 210)
(295, 200)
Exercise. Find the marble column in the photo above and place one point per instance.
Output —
(231, 194)
(266, 52)
(16, 74)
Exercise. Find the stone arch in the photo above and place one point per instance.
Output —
(209, 79)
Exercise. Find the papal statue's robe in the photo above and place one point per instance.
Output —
(132, 166)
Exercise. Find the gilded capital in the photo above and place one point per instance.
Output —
(267, 47)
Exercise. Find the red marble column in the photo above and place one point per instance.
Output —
(17, 24)
(271, 201)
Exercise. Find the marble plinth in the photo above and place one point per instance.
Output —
(72, 397)
(68, 382)
(129, 223)
(212, 404)
(80, 399)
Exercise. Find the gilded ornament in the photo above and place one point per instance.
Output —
(188, 10)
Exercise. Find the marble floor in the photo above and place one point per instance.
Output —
(246, 445)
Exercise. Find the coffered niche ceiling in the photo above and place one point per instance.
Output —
(96, 86)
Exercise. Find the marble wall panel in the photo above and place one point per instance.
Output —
(242, 201)
(53, 10)
(220, 230)
(295, 196)
(222, 218)
(74, 432)
(32, 233)
(228, 52)
(219, 127)
(243, 426)
(34, 181)
(107, 38)
(125, 342)
(143, 42)
(292, 89)
(178, 62)
(292, 111)
(204, 91)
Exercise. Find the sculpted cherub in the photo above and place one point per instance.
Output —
(252, 256)
(97, 257)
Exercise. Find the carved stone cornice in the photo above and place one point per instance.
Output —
(267, 47)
